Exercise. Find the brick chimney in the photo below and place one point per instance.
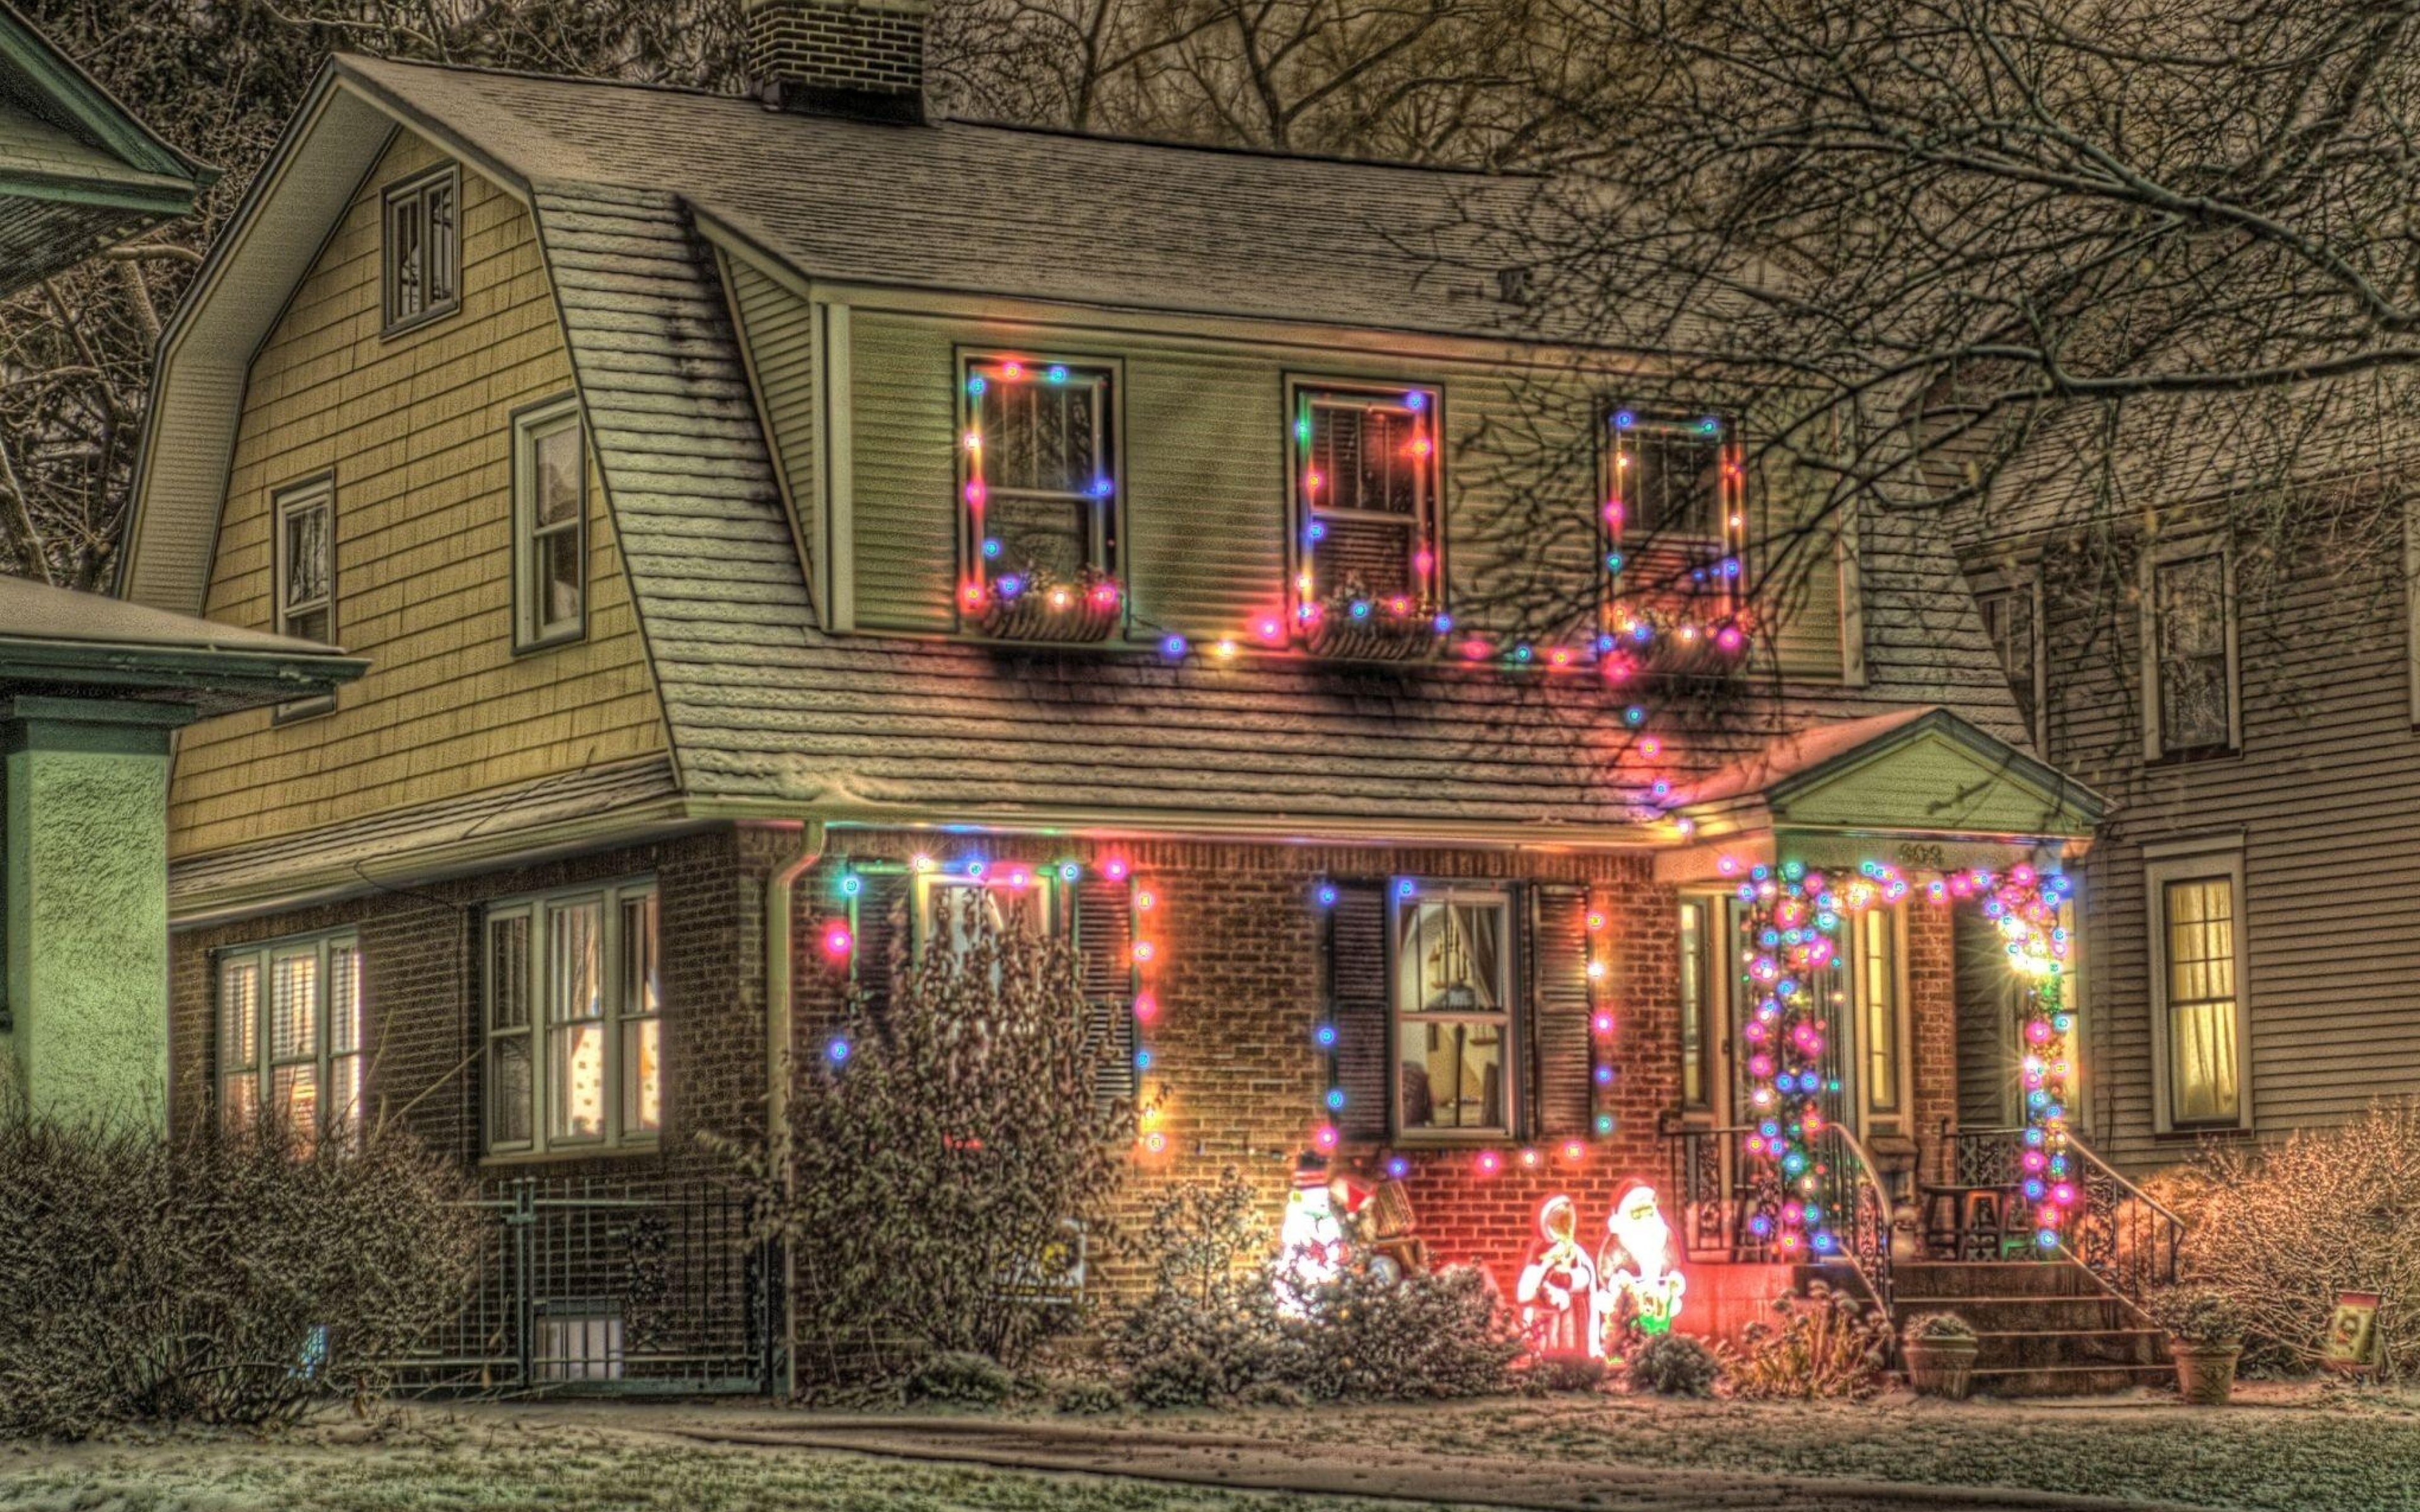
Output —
(860, 58)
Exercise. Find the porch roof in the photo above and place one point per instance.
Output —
(1920, 772)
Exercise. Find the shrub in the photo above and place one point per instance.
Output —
(1937, 1328)
(1213, 1294)
(213, 1278)
(1566, 1373)
(955, 1376)
(1674, 1365)
(1183, 1377)
(2282, 1230)
(2198, 1315)
(1086, 1398)
(1823, 1344)
(945, 1168)
(1437, 1335)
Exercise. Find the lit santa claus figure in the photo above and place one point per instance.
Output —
(1558, 1284)
(1638, 1288)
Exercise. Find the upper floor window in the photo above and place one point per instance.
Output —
(305, 572)
(1369, 505)
(1675, 524)
(1455, 982)
(2190, 694)
(574, 1021)
(2197, 989)
(290, 1036)
(2012, 620)
(423, 248)
(1039, 488)
(550, 526)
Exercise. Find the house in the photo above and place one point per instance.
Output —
(768, 520)
(92, 690)
(2231, 658)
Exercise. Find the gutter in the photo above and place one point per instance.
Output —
(779, 1021)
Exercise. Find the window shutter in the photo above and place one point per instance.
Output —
(1104, 963)
(1562, 1074)
(881, 923)
(1357, 1008)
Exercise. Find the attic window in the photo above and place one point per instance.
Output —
(1369, 508)
(1038, 490)
(423, 254)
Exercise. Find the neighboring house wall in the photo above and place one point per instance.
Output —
(2320, 806)
(416, 429)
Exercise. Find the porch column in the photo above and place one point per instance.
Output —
(87, 905)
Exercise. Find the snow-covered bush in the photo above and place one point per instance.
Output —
(954, 1376)
(1823, 1344)
(2281, 1230)
(1437, 1334)
(1674, 1365)
(950, 1159)
(1209, 1327)
(213, 1278)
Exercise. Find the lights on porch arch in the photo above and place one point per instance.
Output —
(1794, 967)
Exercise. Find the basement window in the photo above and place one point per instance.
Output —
(423, 253)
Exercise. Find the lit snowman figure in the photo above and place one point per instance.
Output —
(1310, 1241)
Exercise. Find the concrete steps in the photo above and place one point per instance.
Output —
(2045, 1328)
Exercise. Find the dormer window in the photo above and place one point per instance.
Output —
(1368, 576)
(424, 248)
(1038, 491)
(1675, 526)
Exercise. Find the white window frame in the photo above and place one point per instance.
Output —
(2190, 859)
(2025, 582)
(412, 197)
(2168, 553)
(318, 493)
(617, 1019)
(1105, 526)
(1428, 518)
(1040, 893)
(341, 1117)
(531, 630)
(1900, 1116)
(1506, 898)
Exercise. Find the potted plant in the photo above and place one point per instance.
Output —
(2205, 1338)
(1940, 1350)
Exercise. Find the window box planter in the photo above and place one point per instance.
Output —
(1375, 636)
(1069, 613)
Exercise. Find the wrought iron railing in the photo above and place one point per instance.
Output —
(1723, 1192)
(605, 1286)
(2122, 1235)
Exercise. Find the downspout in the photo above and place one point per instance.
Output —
(780, 1018)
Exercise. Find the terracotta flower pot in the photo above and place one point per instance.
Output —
(2205, 1372)
(1941, 1367)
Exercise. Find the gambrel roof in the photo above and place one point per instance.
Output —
(770, 715)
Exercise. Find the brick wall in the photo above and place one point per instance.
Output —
(421, 988)
(1932, 1031)
(818, 52)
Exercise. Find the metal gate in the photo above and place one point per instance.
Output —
(592, 1286)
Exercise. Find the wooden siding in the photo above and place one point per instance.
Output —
(1204, 453)
(2325, 793)
(778, 333)
(417, 431)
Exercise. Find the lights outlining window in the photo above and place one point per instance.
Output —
(1038, 497)
(2201, 1007)
(422, 251)
(1673, 530)
(550, 526)
(1369, 508)
(2191, 662)
(574, 1021)
(291, 1035)
(1453, 1019)
(956, 909)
